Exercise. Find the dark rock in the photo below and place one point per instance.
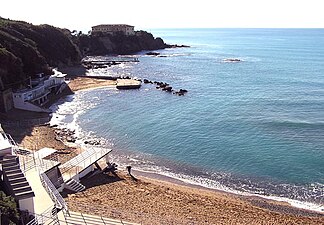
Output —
(162, 85)
(119, 43)
(178, 46)
(232, 60)
(179, 93)
(152, 53)
(167, 89)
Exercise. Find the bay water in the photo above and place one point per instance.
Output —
(253, 126)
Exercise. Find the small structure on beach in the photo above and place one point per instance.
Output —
(128, 84)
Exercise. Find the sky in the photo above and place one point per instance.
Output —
(149, 14)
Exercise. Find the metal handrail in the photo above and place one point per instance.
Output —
(129, 215)
(52, 191)
(79, 160)
(48, 214)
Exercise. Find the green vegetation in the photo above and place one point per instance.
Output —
(8, 209)
(28, 50)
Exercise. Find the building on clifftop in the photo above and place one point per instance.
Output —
(113, 29)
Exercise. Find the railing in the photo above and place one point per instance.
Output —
(26, 163)
(83, 160)
(129, 215)
(48, 214)
(11, 140)
(53, 193)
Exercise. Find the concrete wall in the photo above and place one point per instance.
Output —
(6, 151)
(27, 204)
(78, 176)
(20, 104)
(55, 176)
(6, 100)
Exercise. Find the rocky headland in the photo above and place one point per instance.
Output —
(27, 49)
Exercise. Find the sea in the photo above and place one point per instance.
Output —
(252, 121)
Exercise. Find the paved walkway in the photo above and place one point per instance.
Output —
(42, 201)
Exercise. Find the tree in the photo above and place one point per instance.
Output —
(8, 209)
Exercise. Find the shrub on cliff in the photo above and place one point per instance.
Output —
(33, 49)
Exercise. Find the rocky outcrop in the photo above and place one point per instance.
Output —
(26, 50)
(119, 44)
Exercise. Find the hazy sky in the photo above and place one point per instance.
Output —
(144, 14)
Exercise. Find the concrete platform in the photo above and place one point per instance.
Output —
(42, 200)
(128, 84)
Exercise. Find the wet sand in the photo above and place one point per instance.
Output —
(152, 200)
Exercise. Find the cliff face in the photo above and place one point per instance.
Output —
(119, 44)
(26, 50)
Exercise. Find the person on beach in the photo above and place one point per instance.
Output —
(129, 168)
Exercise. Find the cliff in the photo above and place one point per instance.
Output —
(119, 44)
(26, 50)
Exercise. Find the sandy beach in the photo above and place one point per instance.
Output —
(148, 200)
(82, 83)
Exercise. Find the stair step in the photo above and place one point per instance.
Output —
(27, 194)
(15, 175)
(13, 171)
(22, 189)
(9, 163)
(19, 184)
(17, 180)
(10, 167)
(8, 157)
(74, 185)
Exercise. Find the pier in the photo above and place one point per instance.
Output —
(103, 63)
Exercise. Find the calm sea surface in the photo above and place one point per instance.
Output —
(255, 126)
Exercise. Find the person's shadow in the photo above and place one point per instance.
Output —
(129, 168)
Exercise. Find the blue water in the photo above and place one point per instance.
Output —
(254, 126)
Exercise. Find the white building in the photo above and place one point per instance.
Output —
(6, 146)
(11, 174)
(113, 29)
(32, 99)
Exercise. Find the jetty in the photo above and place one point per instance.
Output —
(107, 62)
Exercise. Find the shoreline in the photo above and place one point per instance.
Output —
(286, 213)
